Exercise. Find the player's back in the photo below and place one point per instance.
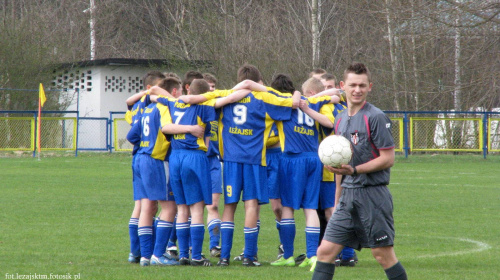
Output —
(301, 133)
(187, 114)
(152, 139)
(245, 126)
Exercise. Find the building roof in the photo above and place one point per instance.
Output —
(131, 62)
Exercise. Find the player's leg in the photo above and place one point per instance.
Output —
(213, 223)
(324, 268)
(146, 230)
(312, 236)
(165, 226)
(197, 233)
(213, 216)
(232, 174)
(287, 236)
(183, 229)
(133, 227)
(386, 257)
(273, 156)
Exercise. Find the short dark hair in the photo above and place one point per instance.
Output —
(358, 68)
(171, 74)
(189, 77)
(199, 86)
(152, 78)
(169, 84)
(317, 71)
(283, 83)
(249, 72)
(209, 78)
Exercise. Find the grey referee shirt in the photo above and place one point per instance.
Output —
(369, 131)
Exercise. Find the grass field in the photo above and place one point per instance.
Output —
(70, 215)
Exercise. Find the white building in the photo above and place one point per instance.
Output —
(103, 86)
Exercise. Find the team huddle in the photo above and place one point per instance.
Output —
(267, 140)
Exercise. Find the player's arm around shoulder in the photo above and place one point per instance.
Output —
(322, 119)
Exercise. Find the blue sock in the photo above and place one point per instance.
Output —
(312, 240)
(214, 232)
(145, 236)
(163, 230)
(197, 235)
(287, 236)
(189, 233)
(347, 253)
(226, 237)
(155, 222)
(251, 238)
(278, 227)
(183, 238)
(135, 245)
(173, 235)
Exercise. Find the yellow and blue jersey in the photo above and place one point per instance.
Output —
(245, 126)
(147, 132)
(135, 111)
(301, 133)
(213, 132)
(187, 114)
(337, 108)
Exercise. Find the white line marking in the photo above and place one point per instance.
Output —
(480, 246)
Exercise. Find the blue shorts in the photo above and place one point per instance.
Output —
(327, 194)
(299, 177)
(190, 176)
(249, 179)
(151, 180)
(273, 162)
(215, 174)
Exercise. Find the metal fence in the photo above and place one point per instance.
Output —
(414, 132)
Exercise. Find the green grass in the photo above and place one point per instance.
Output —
(70, 215)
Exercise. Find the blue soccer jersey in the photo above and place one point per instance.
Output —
(186, 114)
(212, 132)
(301, 133)
(245, 126)
(147, 132)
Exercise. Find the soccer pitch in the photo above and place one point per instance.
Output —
(65, 216)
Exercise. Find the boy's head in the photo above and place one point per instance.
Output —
(283, 83)
(172, 85)
(312, 86)
(211, 80)
(317, 73)
(328, 80)
(152, 78)
(249, 72)
(199, 86)
(188, 78)
(171, 74)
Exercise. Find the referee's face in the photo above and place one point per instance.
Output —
(356, 88)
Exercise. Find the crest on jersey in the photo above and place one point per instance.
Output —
(355, 137)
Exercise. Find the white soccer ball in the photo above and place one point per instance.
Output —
(335, 150)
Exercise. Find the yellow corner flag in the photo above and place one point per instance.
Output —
(42, 95)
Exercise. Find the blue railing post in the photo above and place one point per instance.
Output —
(485, 134)
(405, 135)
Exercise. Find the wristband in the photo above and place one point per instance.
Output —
(355, 172)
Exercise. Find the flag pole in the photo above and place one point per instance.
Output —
(41, 101)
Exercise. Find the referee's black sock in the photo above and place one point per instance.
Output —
(396, 272)
(323, 271)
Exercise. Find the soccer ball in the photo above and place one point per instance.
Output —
(335, 150)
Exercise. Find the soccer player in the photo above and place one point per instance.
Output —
(136, 104)
(189, 76)
(151, 180)
(364, 218)
(213, 216)
(328, 80)
(300, 174)
(189, 169)
(317, 73)
(245, 131)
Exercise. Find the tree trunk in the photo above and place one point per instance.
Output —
(315, 33)
(393, 55)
